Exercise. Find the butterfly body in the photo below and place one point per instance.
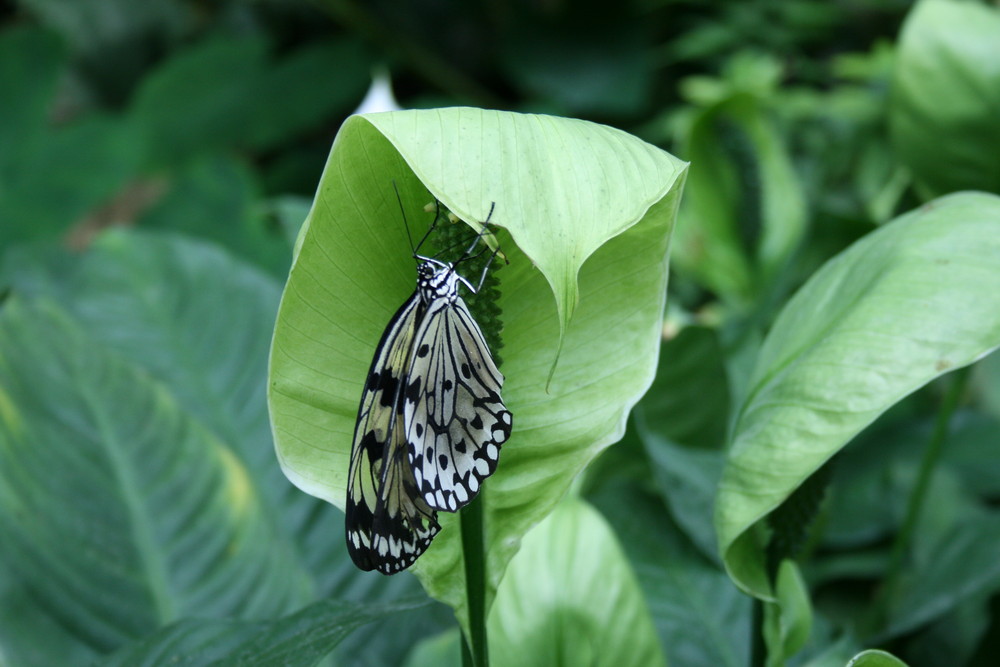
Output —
(430, 424)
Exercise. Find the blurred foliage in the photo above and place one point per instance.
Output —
(138, 483)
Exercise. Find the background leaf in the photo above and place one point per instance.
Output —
(946, 96)
(700, 617)
(298, 640)
(570, 597)
(909, 302)
(147, 518)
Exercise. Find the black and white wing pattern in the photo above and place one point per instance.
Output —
(455, 419)
(430, 425)
(388, 524)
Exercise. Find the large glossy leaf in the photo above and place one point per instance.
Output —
(200, 321)
(301, 639)
(946, 96)
(120, 512)
(589, 206)
(913, 300)
(570, 597)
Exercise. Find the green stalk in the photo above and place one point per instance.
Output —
(930, 460)
(758, 651)
(475, 654)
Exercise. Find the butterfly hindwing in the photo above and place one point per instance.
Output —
(387, 523)
(456, 421)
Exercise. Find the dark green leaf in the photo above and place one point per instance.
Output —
(299, 640)
(700, 617)
(119, 510)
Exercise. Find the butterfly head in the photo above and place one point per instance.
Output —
(438, 280)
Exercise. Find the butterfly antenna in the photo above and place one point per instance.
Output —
(489, 263)
(479, 235)
(405, 223)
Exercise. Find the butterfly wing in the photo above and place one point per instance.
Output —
(388, 524)
(454, 416)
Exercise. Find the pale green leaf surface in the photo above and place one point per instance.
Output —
(353, 268)
(570, 597)
(562, 187)
(442, 650)
(788, 620)
(119, 510)
(915, 299)
(875, 658)
(946, 96)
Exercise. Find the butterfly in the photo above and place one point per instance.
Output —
(430, 424)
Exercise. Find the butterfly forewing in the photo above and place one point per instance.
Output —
(387, 523)
(455, 418)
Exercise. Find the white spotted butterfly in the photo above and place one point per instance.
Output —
(430, 425)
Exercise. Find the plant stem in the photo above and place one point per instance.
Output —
(758, 652)
(475, 582)
(931, 456)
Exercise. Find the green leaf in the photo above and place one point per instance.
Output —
(687, 479)
(689, 399)
(200, 99)
(301, 639)
(218, 198)
(188, 313)
(200, 322)
(226, 92)
(301, 91)
(568, 192)
(744, 212)
(962, 564)
(570, 597)
(444, 650)
(987, 377)
(101, 29)
(593, 63)
(701, 618)
(907, 303)
(788, 620)
(681, 422)
(946, 96)
(28, 92)
(50, 177)
(119, 511)
(875, 658)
